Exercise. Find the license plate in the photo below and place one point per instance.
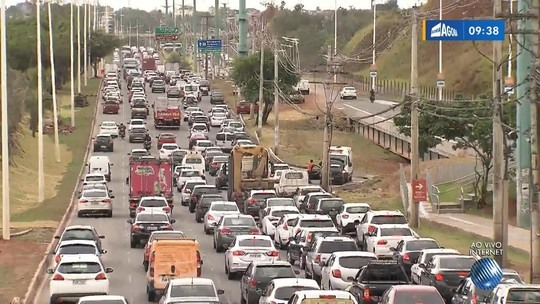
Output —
(165, 279)
(255, 255)
(151, 228)
(95, 203)
(103, 147)
(79, 282)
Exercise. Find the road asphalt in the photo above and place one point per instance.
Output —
(128, 278)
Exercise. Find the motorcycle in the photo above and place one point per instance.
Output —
(147, 145)
(122, 133)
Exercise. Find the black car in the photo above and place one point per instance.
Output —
(103, 143)
(299, 244)
(407, 251)
(259, 274)
(198, 191)
(217, 97)
(204, 204)
(146, 223)
(177, 157)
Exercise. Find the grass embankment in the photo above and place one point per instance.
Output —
(20, 257)
(301, 140)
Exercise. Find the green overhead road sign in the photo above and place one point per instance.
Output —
(166, 33)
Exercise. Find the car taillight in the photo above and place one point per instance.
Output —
(252, 201)
(57, 259)
(371, 228)
(107, 200)
(272, 253)
(439, 277)
(406, 257)
(101, 276)
(136, 227)
(166, 227)
(254, 231)
(133, 204)
(225, 231)
(152, 272)
(140, 209)
(252, 283)
(382, 242)
(367, 294)
(83, 201)
(214, 164)
(239, 253)
(336, 273)
(318, 258)
(58, 277)
(210, 217)
(474, 299)
(167, 209)
(345, 216)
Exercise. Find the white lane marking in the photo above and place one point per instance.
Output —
(339, 109)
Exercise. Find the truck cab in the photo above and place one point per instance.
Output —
(343, 155)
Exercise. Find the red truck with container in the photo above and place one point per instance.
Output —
(149, 176)
(149, 64)
(167, 113)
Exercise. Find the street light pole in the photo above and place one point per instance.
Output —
(72, 65)
(439, 88)
(335, 34)
(53, 85)
(6, 216)
(85, 42)
(78, 47)
(41, 175)
(374, 5)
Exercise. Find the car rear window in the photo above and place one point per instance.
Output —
(421, 244)
(333, 246)
(316, 223)
(456, 262)
(294, 175)
(94, 193)
(281, 213)
(280, 202)
(223, 136)
(357, 209)
(285, 293)
(190, 186)
(326, 301)
(263, 196)
(192, 291)
(255, 243)
(396, 232)
(79, 267)
(201, 143)
(242, 221)
(388, 220)
(77, 249)
(207, 201)
(385, 273)
(166, 136)
(78, 234)
(274, 271)
(190, 173)
(224, 207)
(355, 262)
(152, 218)
(331, 204)
(193, 160)
(152, 203)
(520, 295)
(414, 296)
(95, 178)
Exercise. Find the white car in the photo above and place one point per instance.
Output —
(76, 247)
(134, 123)
(379, 217)
(425, 256)
(384, 237)
(341, 266)
(166, 150)
(320, 222)
(273, 215)
(191, 290)
(351, 213)
(153, 204)
(102, 299)
(202, 144)
(217, 118)
(109, 127)
(284, 228)
(303, 191)
(246, 249)
(348, 93)
(199, 128)
(188, 188)
(94, 178)
(188, 174)
(279, 291)
(217, 210)
(77, 276)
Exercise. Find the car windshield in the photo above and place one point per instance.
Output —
(388, 220)
(102, 302)
(357, 209)
(240, 221)
(191, 290)
(169, 147)
(456, 262)
(523, 295)
(426, 297)
(332, 246)
(79, 267)
(224, 207)
(255, 242)
(274, 271)
(95, 178)
(417, 245)
(94, 193)
(78, 234)
(355, 262)
(331, 204)
(316, 223)
(190, 173)
(280, 202)
(152, 203)
(396, 232)
(285, 293)
(280, 213)
(193, 160)
(152, 218)
(77, 249)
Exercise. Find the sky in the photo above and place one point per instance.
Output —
(203, 5)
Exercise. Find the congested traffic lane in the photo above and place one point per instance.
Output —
(128, 278)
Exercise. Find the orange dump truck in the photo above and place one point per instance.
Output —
(171, 259)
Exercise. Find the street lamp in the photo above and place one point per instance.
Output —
(440, 77)
(373, 68)
(6, 233)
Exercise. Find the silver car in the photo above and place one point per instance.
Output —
(246, 249)
(216, 211)
(95, 201)
(322, 249)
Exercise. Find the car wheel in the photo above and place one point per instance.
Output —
(151, 294)
(242, 300)
(145, 266)
(52, 300)
(230, 275)
(132, 243)
(198, 219)
(109, 214)
(214, 244)
(80, 214)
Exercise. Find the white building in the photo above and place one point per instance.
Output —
(107, 20)
(188, 10)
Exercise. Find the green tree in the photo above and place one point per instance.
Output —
(246, 76)
(175, 57)
(101, 45)
(469, 123)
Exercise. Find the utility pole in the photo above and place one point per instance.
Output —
(276, 99)
(6, 214)
(500, 196)
(205, 18)
(242, 29)
(415, 153)
(535, 150)
(261, 92)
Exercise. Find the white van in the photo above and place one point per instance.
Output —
(100, 164)
(193, 90)
(290, 180)
(343, 155)
(195, 160)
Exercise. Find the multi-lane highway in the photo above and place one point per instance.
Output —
(128, 278)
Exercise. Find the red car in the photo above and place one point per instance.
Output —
(165, 138)
(243, 107)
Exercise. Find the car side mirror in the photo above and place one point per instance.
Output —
(392, 248)
(57, 237)
(101, 236)
(297, 271)
(111, 196)
(152, 106)
(49, 271)
(173, 221)
(103, 251)
(226, 246)
(129, 221)
(259, 292)
(109, 270)
(110, 191)
(356, 222)
(422, 265)
(322, 264)
(220, 291)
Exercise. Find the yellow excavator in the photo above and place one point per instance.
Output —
(248, 170)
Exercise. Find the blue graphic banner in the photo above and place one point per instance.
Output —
(463, 30)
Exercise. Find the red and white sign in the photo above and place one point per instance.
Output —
(419, 190)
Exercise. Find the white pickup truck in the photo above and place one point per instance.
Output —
(303, 87)
(289, 181)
